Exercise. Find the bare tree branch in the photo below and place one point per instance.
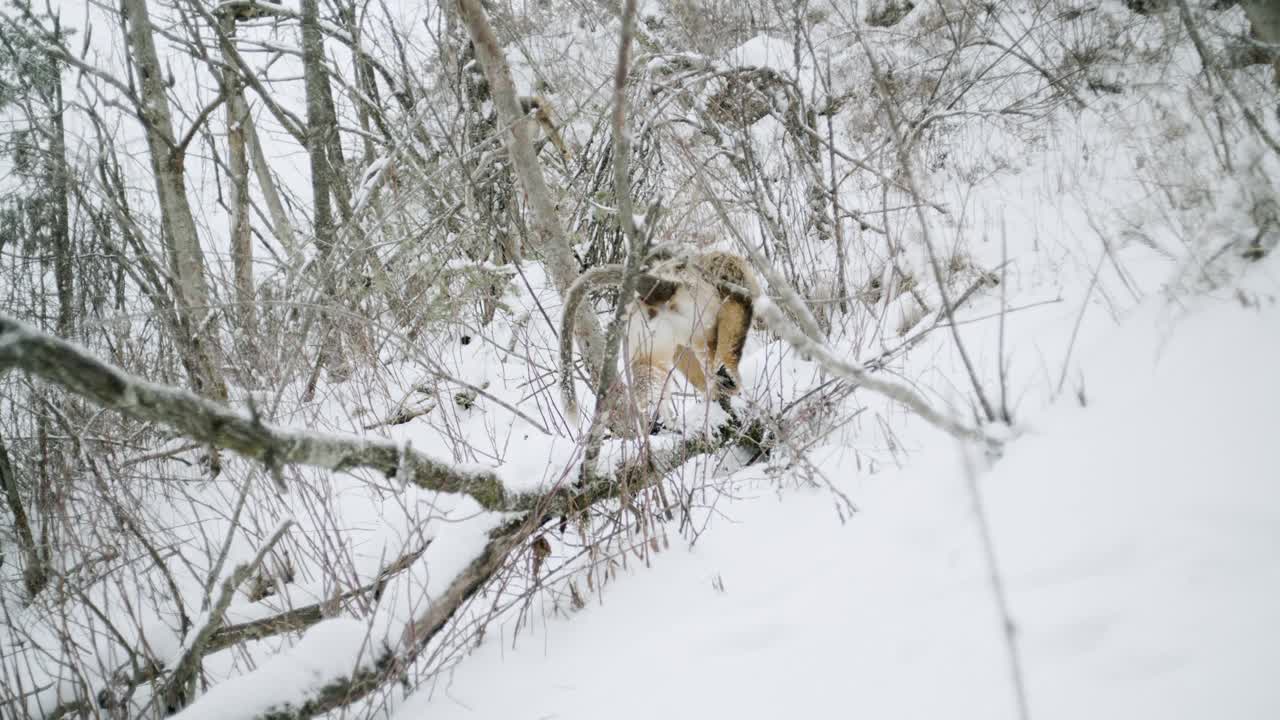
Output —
(181, 683)
(638, 242)
(67, 365)
(301, 618)
(858, 374)
(180, 148)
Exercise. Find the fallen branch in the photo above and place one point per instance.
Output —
(180, 686)
(391, 665)
(403, 415)
(70, 367)
(301, 618)
(226, 636)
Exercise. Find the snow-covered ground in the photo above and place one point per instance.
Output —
(1136, 536)
(1133, 513)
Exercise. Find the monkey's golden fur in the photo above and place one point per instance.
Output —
(691, 313)
(540, 107)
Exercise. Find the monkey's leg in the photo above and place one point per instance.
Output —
(650, 382)
(687, 363)
(732, 322)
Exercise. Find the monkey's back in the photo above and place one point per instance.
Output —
(724, 267)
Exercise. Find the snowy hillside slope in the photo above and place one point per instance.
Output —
(1133, 518)
(1136, 536)
(1098, 239)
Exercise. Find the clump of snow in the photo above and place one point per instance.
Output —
(764, 51)
(329, 651)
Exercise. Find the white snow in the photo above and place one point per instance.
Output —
(1134, 509)
(323, 655)
(1136, 536)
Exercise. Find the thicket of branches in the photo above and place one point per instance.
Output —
(304, 217)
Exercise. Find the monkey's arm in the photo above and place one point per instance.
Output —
(733, 320)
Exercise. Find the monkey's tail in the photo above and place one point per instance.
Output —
(596, 276)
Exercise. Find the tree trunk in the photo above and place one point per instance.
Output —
(238, 162)
(548, 234)
(337, 163)
(321, 138)
(35, 574)
(186, 261)
(63, 253)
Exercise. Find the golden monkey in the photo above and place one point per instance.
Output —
(691, 313)
(541, 109)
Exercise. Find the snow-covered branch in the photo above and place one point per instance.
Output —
(181, 683)
(297, 619)
(858, 374)
(70, 367)
(387, 666)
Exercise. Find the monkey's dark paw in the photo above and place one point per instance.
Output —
(724, 381)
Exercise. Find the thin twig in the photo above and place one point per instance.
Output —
(908, 168)
(1007, 626)
(1004, 306)
(1075, 329)
(858, 374)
